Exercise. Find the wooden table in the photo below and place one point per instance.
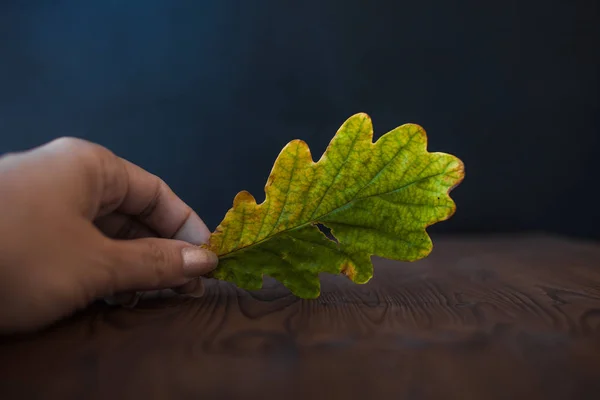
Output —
(492, 318)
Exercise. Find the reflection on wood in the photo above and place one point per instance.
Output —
(479, 319)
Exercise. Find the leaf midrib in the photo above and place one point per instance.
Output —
(317, 219)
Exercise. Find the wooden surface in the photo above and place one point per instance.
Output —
(495, 318)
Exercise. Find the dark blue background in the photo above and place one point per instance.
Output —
(205, 94)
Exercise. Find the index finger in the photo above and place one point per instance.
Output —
(119, 185)
(152, 201)
(98, 182)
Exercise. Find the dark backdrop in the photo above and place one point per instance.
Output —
(205, 94)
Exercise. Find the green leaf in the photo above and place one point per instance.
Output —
(376, 198)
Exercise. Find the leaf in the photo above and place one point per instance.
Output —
(375, 198)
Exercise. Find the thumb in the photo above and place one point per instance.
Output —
(152, 263)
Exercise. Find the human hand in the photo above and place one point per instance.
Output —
(65, 209)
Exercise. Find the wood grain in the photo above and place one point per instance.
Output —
(494, 318)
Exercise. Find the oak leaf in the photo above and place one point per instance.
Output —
(360, 199)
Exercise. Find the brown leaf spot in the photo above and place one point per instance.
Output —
(349, 270)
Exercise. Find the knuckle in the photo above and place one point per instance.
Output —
(69, 142)
(105, 170)
(85, 153)
(155, 201)
(114, 184)
(80, 146)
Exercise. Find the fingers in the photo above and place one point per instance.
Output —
(152, 263)
(155, 204)
(121, 226)
(109, 184)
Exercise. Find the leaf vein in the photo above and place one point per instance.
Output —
(339, 170)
